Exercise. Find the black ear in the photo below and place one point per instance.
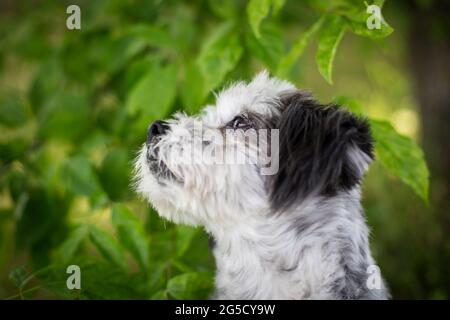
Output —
(323, 149)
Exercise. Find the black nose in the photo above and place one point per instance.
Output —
(157, 128)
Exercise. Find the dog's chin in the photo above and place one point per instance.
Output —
(160, 171)
(168, 198)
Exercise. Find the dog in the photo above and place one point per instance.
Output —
(296, 232)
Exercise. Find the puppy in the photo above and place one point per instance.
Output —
(285, 226)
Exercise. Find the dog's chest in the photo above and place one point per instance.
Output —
(288, 275)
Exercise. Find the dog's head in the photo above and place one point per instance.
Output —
(263, 147)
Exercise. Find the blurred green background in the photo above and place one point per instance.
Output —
(75, 105)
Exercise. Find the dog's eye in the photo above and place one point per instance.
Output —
(239, 122)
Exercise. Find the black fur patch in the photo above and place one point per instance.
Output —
(314, 144)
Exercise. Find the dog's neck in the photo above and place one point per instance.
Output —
(319, 250)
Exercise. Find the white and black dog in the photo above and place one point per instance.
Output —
(296, 232)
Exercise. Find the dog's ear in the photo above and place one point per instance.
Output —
(323, 149)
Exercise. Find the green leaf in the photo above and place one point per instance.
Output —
(119, 52)
(99, 280)
(108, 247)
(181, 266)
(152, 35)
(66, 116)
(13, 148)
(19, 276)
(79, 177)
(257, 10)
(269, 48)
(114, 174)
(297, 49)
(185, 235)
(357, 20)
(48, 80)
(157, 279)
(131, 234)
(219, 55)
(349, 103)
(190, 286)
(278, 5)
(160, 295)
(402, 157)
(225, 9)
(12, 112)
(194, 90)
(66, 250)
(134, 72)
(331, 35)
(154, 94)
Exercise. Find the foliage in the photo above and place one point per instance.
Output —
(69, 138)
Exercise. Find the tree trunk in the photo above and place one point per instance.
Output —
(429, 50)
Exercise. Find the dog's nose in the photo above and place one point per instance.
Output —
(157, 128)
